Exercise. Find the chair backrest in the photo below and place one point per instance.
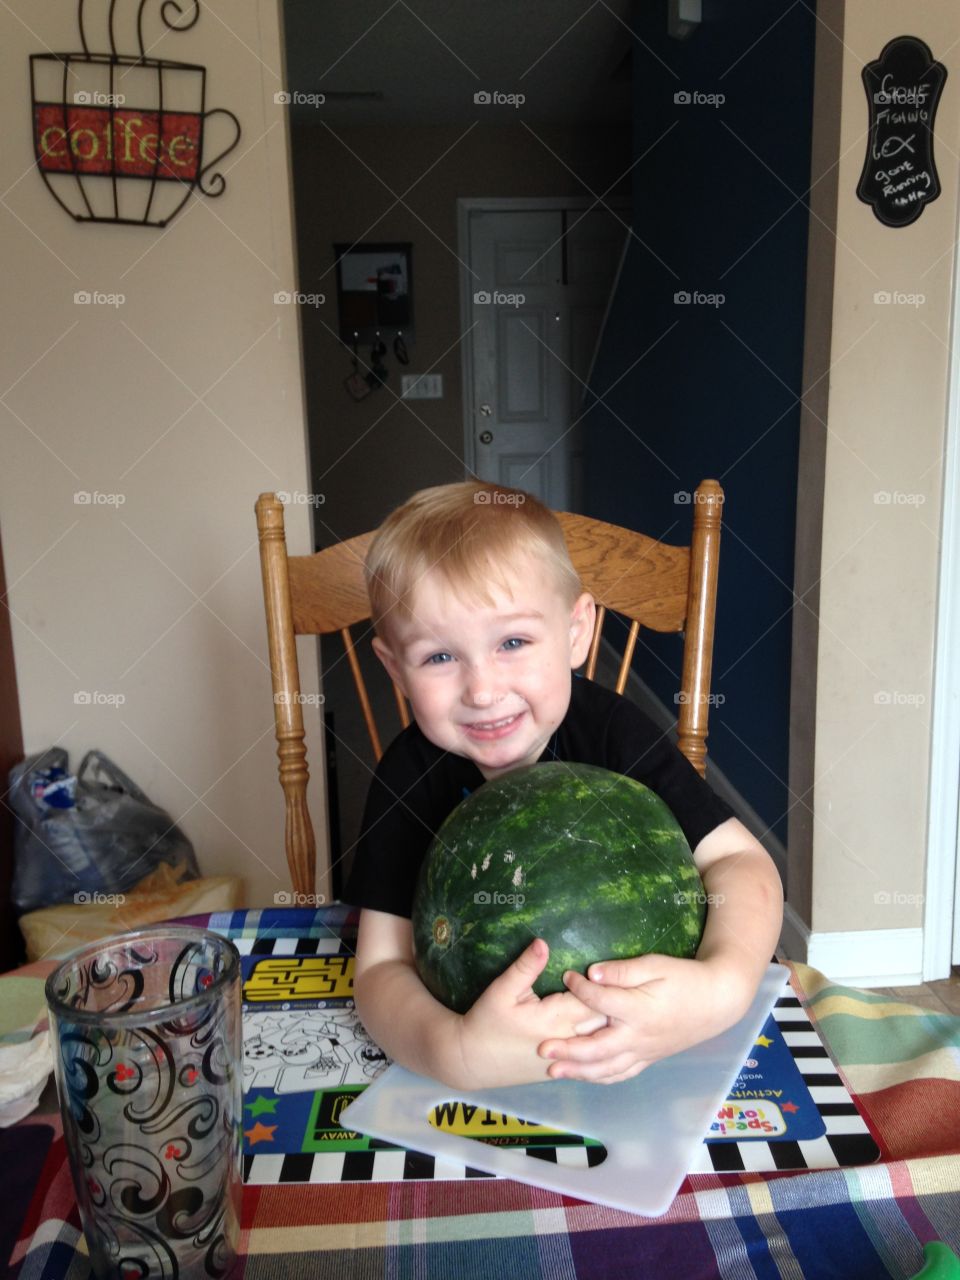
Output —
(654, 585)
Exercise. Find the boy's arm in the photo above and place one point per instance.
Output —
(658, 1005)
(744, 907)
(494, 1043)
(394, 1005)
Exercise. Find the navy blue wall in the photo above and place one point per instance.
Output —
(720, 208)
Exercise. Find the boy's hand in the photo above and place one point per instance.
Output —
(658, 1005)
(500, 1034)
(655, 1005)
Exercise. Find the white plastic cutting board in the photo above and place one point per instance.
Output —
(651, 1125)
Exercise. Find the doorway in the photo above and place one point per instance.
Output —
(536, 281)
(419, 112)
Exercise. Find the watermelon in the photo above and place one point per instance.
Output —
(592, 861)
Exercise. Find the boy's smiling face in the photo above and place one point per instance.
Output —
(490, 682)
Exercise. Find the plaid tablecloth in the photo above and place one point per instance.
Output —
(901, 1063)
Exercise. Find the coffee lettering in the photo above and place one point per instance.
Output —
(148, 140)
(128, 125)
(180, 141)
(94, 144)
(98, 140)
(47, 147)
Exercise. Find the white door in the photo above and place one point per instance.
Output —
(536, 299)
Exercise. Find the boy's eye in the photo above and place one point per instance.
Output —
(438, 659)
(515, 642)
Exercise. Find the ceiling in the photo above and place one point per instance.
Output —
(427, 58)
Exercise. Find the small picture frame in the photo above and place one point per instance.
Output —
(374, 291)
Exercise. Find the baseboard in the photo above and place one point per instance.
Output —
(608, 664)
(856, 958)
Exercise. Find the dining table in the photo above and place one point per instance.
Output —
(371, 1213)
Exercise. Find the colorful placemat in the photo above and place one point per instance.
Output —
(306, 1056)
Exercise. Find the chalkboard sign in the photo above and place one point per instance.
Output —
(903, 89)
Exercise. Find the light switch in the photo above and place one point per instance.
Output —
(422, 386)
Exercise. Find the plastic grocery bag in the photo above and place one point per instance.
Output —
(86, 835)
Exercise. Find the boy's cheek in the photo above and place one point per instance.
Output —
(422, 706)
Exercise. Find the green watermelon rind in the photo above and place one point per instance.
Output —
(493, 843)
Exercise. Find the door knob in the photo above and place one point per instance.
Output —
(486, 437)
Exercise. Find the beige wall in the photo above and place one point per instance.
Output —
(157, 599)
(878, 562)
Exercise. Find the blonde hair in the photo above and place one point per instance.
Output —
(470, 533)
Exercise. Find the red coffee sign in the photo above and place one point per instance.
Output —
(122, 141)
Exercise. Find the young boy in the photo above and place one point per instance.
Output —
(481, 620)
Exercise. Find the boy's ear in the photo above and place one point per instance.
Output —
(582, 619)
(385, 654)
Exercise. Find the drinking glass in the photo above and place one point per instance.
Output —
(146, 1039)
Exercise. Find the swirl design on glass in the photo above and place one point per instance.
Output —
(152, 1108)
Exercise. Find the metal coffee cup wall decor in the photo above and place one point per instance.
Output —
(119, 137)
(903, 89)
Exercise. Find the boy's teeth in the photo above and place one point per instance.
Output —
(495, 724)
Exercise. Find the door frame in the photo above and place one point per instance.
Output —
(503, 204)
(941, 917)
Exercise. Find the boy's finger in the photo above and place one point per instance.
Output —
(597, 1047)
(587, 1027)
(605, 1074)
(626, 973)
(612, 1001)
(518, 979)
(605, 1069)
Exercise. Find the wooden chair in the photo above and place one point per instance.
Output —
(665, 588)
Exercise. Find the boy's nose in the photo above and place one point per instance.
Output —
(475, 695)
(479, 687)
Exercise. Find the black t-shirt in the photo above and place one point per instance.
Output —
(417, 784)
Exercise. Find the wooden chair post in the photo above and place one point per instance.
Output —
(299, 838)
(701, 608)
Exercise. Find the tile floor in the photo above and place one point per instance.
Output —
(943, 996)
